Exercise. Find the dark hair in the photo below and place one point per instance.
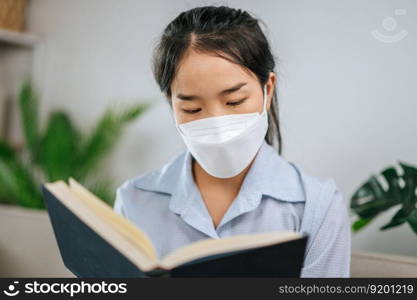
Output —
(230, 33)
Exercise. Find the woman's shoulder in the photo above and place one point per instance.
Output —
(161, 180)
(319, 191)
(143, 190)
(309, 186)
(322, 195)
(315, 185)
(326, 221)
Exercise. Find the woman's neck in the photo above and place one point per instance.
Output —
(232, 184)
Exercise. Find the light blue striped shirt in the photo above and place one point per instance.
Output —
(275, 195)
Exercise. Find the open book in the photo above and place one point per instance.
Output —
(95, 241)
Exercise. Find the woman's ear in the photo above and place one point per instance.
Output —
(270, 86)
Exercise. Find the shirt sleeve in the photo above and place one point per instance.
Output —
(330, 251)
(118, 206)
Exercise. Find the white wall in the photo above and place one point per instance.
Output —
(348, 100)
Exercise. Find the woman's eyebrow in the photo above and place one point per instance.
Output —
(222, 93)
(232, 89)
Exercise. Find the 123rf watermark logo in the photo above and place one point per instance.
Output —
(11, 289)
(389, 24)
(67, 288)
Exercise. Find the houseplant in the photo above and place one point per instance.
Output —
(374, 197)
(59, 151)
(29, 248)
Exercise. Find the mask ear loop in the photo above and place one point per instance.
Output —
(175, 119)
(176, 123)
(264, 100)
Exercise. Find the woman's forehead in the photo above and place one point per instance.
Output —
(201, 71)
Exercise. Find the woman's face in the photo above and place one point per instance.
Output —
(208, 86)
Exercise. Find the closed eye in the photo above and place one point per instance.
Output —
(191, 111)
(232, 103)
(236, 102)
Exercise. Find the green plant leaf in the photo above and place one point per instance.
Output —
(359, 224)
(370, 199)
(412, 220)
(59, 147)
(6, 151)
(28, 106)
(410, 180)
(105, 135)
(392, 178)
(6, 154)
(399, 218)
(17, 183)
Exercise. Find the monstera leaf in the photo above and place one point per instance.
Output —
(372, 198)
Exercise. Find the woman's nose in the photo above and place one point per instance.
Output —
(215, 111)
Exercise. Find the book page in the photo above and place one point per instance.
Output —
(207, 247)
(124, 226)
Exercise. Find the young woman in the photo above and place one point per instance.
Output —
(216, 69)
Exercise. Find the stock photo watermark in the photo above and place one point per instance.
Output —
(391, 33)
(67, 288)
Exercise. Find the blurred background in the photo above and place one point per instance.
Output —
(76, 81)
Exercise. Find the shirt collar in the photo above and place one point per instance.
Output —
(269, 175)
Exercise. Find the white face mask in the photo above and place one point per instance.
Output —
(225, 145)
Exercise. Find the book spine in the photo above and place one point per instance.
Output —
(160, 273)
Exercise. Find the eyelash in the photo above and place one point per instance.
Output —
(229, 103)
(237, 102)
